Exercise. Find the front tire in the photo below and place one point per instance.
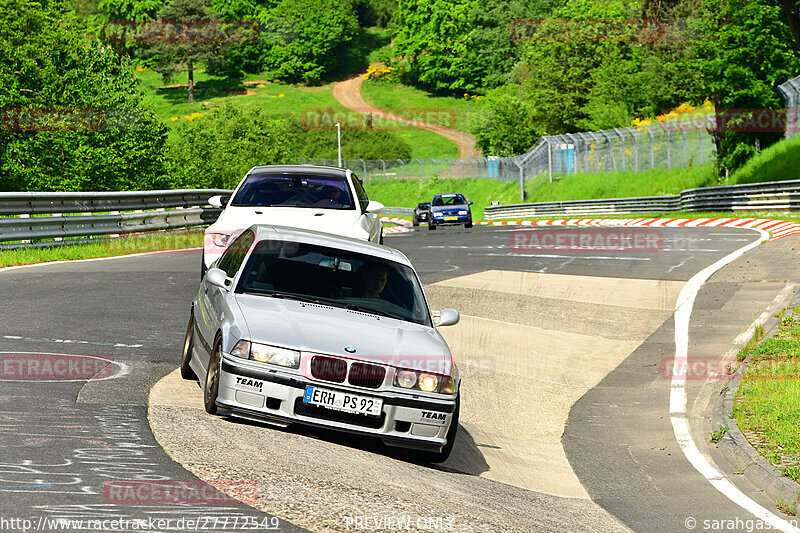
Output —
(188, 344)
(468, 224)
(440, 457)
(211, 389)
(431, 226)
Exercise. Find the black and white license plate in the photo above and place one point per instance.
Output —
(343, 401)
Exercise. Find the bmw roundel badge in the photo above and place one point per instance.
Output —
(349, 349)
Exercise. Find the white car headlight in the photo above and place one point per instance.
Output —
(462, 212)
(274, 355)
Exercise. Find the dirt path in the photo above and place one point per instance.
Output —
(348, 93)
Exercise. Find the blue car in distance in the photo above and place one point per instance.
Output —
(450, 209)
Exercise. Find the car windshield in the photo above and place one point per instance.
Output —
(455, 199)
(423, 205)
(294, 190)
(334, 277)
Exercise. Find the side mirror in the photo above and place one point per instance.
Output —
(218, 278)
(218, 200)
(447, 317)
(470, 202)
(374, 207)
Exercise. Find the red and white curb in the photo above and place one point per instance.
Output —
(403, 225)
(777, 228)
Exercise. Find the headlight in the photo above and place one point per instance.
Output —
(438, 215)
(274, 355)
(220, 239)
(462, 213)
(428, 382)
(405, 378)
(423, 381)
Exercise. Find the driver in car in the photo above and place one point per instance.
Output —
(373, 277)
(330, 197)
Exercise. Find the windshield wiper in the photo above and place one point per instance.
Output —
(290, 296)
(371, 310)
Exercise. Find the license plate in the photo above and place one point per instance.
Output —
(343, 401)
(451, 218)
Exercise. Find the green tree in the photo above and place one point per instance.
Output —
(433, 35)
(302, 40)
(73, 115)
(746, 50)
(182, 42)
(216, 150)
(507, 125)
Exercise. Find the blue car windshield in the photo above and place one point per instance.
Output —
(285, 269)
(294, 190)
(455, 199)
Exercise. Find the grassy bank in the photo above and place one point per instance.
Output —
(767, 407)
(781, 161)
(409, 193)
(103, 248)
(656, 182)
(398, 98)
(271, 96)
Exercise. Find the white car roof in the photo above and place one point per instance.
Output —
(264, 231)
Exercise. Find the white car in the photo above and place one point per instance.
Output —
(328, 199)
(297, 326)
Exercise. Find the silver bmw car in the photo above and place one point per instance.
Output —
(297, 326)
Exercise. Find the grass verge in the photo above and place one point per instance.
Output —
(767, 406)
(657, 182)
(131, 244)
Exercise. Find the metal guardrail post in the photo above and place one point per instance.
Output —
(420, 167)
(549, 160)
(521, 181)
(435, 167)
(596, 148)
(403, 168)
(683, 134)
(652, 147)
(449, 168)
(618, 131)
(700, 134)
(364, 166)
(610, 149)
(384, 168)
(669, 157)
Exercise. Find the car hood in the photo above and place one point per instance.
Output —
(338, 221)
(328, 330)
(458, 207)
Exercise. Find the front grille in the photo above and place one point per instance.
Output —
(321, 413)
(328, 368)
(366, 375)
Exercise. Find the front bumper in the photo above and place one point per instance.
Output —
(274, 396)
(451, 219)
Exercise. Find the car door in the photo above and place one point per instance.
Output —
(369, 221)
(215, 301)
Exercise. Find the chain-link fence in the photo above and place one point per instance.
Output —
(791, 93)
(672, 144)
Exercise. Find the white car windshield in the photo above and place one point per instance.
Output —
(294, 190)
(334, 277)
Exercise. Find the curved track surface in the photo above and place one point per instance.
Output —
(564, 407)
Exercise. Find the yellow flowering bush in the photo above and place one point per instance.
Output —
(380, 72)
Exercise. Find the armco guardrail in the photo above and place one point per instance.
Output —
(28, 215)
(767, 196)
(397, 211)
